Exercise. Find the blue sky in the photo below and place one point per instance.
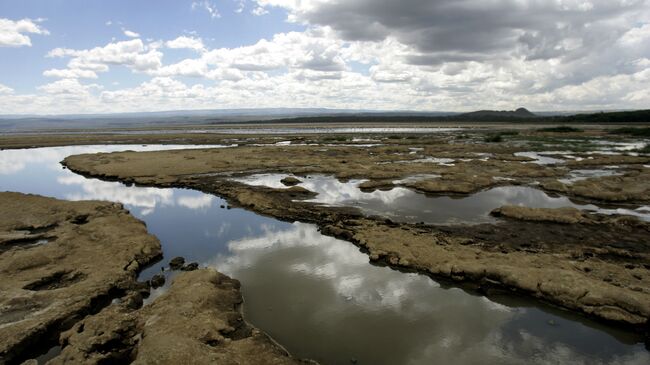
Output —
(82, 24)
(76, 56)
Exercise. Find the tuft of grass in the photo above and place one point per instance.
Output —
(561, 129)
(509, 133)
(638, 132)
(494, 138)
(336, 139)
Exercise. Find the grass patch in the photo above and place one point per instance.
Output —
(561, 129)
(394, 137)
(509, 133)
(494, 138)
(336, 139)
(638, 132)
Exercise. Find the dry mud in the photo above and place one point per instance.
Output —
(591, 264)
(64, 265)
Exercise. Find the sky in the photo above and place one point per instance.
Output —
(108, 56)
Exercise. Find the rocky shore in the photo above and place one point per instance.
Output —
(69, 279)
(588, 263)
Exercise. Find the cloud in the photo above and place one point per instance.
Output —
(133, 54)
(184, 42)
(259, 11)
(5, 90)
(73, 73)
(208, 6)
(12, 32)
(381, 54)
(463, 29)
(130, 34)
(69, 87)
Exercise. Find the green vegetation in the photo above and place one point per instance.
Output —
(494, 138)
(336, 139)
(509, 133)
(560, 129)
(637, 132)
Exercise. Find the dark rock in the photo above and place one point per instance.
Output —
(176, 263)
(290, 181)
(157, 281)
(134, 301)
(190, 267)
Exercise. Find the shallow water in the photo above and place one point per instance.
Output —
(273, 131)
(405, 205)
(319, 296)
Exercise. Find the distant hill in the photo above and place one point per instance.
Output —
(9, 124)
(520, 113)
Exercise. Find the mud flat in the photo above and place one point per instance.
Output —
(594, 264)
(69, 278)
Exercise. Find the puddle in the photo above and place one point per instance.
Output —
(540, 158)
(405, 205)
(319, 296)
(578, 175)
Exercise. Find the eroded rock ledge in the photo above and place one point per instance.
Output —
(61, 261)
(69, 278)
(197, 320)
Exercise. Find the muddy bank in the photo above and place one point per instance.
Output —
(458, 168)
(69, 279)
(61, 261)
(595, 265)
(197, 320)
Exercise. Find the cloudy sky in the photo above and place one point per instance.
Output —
(82, 56)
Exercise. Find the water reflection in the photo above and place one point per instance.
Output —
(405, 205)
(300, 284)
(320, 297)
(38, 171)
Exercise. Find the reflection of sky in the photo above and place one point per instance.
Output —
(39, 171)
(321, 298)
(299, 284)
(403, 204)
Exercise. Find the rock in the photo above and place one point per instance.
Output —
(290, 181)
(190, 267)
(565, 215)
(176, 263)
(196, 321)
(134, 301)
(55, 284)
(157, 281)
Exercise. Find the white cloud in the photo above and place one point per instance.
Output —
(241, 5)
(12, 33)
(353, 55)
(69, 87)
(259, 11)
(130, 34)
(5, 90)
(72, 73)
(208, 6)
(184, 42)
(133, 54)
